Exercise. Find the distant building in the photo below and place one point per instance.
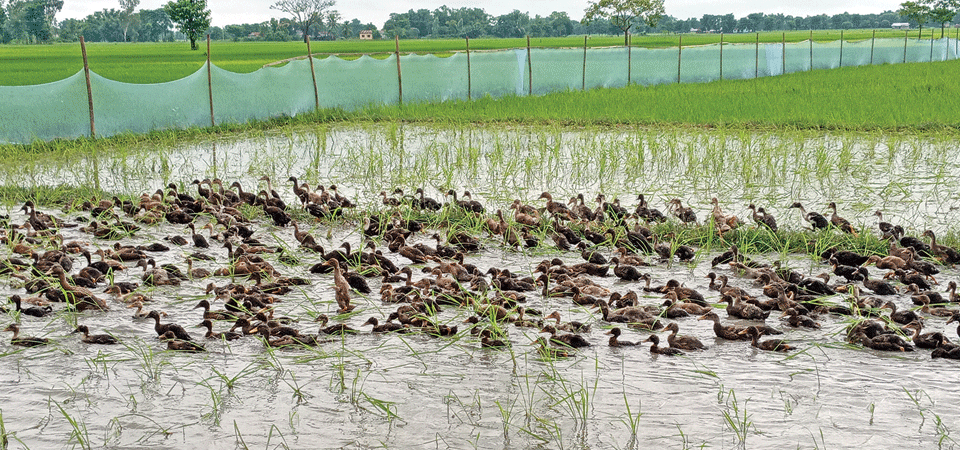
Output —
(901, 26)
(366, 35)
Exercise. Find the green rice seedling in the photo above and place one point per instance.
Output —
(79, 435)
(298, 394)
(240, 442)
(736, 418)
(283, 440)
(633, 421)
(151, 363)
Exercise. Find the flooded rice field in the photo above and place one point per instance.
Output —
(418, 390)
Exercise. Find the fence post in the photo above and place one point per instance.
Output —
(469, 80)
(213, 122)
(905, 34)
(679, 52)
(873, 42)
(629, 62)
(86, 73)
(313, 75)
(783, 49)
(811, 49)
(721, 56)
(583, 86)
(841, 48)
(529, 69)
(756, 67)
(932, 32)
(396, 41)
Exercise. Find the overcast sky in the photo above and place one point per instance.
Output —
(227, 12)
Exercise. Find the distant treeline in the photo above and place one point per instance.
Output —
(30, 21)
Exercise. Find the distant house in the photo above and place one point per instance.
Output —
(366, 35)
(901, 26)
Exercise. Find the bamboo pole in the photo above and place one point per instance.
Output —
(756, 67)
(629, 62)
(841, 48)
(721, 56)
(469, 79)
(583, 83)
(905, 34)
(86, 73)
(679, 52)
(932, 33)
(213, 122)
(529, 69)
(873, 42)
(313, 75)
(396, 40)
(811, 49)
(783, 50)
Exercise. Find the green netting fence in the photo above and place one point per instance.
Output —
(60, 109)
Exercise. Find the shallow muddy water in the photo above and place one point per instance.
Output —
(416, 391)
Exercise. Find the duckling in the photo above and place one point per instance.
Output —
(546, 351)
(570, 340)
(25, 341)
(102, 339)
(729, 332)
(179, 345)
(839, 222)
(682, 342)
(778, 345)
(615, 339)
(655, 349)
(32, 310)
(815, 219)
(177, 330)
(226, 335)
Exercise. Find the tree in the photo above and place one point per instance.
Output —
(915, 11)
(623, 13)
(154, 25)
(191, 16)
(126, 8)
(305, 12)
(943, 11)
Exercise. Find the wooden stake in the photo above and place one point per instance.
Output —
(469, 80)
(841, 48)
(679, 52)
(905, 34)
(529, 69)
(932, 32)
(213, 122)
(873, 42)
(783, 50)
(629, 60)
(313, 74)
(811, 49)
(756, 68)
(86, 73)
(721, 56)
(396, 41)
(583, 85)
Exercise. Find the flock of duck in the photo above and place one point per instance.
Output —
(81, 265)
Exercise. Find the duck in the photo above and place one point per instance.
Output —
(777, 345)
(815, 219)
(797, 320)
(341, 288)
(214, 315)
(884, 342)
(685, 214)
(488, 341)
(879, 287)
(901, 317)
(549, 352)
(225, 335)
(763, 219)
(743, 310)
(680, 341)
(947, 255)
(887, 262)
(388, 327)
(925, 340)
(32, 310)
(729, 332)
(81, 298)
(570, 340)
(839, 222)
(177, 330)
(572, 326)
(101, 339)
(179, 345)
(27, 341)
(339, 328)
(625, 272)
(615, 339)
(655, 347)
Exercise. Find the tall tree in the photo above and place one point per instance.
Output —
(126, 8)
(305, 12)
(915, 11)
(155, 25)
(623, 13)
(943, 11)
(191, 16)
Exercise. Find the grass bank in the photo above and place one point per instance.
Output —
(162, 62)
